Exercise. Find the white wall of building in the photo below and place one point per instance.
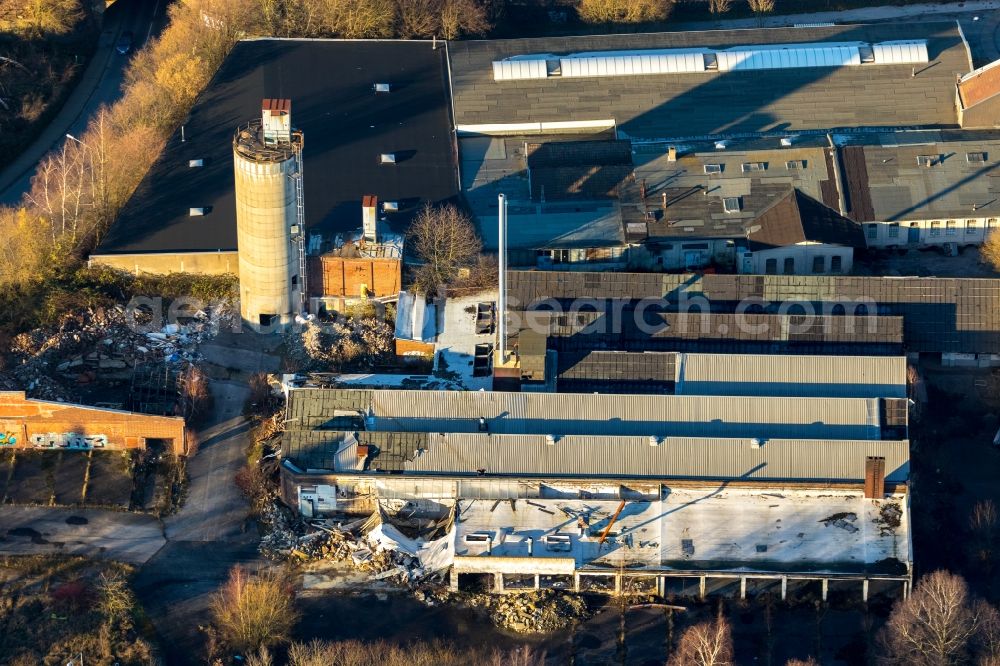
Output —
(910, 233)
(801, 259)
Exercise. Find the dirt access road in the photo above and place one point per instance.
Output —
(211, 532)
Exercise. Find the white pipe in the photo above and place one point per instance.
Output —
(502, 266)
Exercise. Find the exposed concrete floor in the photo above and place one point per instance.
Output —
(128, 537)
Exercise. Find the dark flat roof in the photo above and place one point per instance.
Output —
(346, 126)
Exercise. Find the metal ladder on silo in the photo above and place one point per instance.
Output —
(300, 219)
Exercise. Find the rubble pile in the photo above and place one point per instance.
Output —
(289, 537)
(101, 344)
(532, 612)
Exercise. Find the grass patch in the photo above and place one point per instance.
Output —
(52, 607)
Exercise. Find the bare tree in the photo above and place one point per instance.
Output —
(719, 6)
(36, 18)
(624, 11)
(261, 657)
(357, 19)
(253, 611)
(705, 644)
(761, 8)
(196, 397)
(934, 625)
(416, 18)
(115, 597)
(313, 653)
(983, 524)
(446, 241)
(989, 252)
(986, 643)
(463, 17)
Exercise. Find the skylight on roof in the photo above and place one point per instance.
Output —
(713, 168)
(754, 166)
(975, 158)
(731, 204)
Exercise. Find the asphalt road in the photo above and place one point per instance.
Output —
(100, 84)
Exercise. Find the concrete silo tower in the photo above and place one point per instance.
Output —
(267, 156)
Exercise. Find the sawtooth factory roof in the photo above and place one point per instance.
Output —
(593, 456)
(939, 314)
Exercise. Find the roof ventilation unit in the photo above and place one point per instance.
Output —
(755, 443)
(387, 158)
(390, 206)
(196, 163)
(786, 141)
(721, 145)
(382, 87)
(901, 52)
(550, 439)
(516, 70)
(196, 212)
(654, 440)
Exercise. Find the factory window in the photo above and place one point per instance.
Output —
(789, 265)
(894, 230)
(694, 246)
(819, 264)
(836, 264)
(951, 228)
(771, 266)
(872, 231)
(935, 228)
(970, 226)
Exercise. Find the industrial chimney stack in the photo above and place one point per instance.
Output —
(270, 229)
(369, 218)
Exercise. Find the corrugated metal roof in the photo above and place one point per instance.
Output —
(674, 457)
(592, 414)
(801, 376)
(939, 314)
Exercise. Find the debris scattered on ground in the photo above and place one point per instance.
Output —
(102, 344)
(532, 612)
(844, 521)
(889, 518)
(378, 550)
